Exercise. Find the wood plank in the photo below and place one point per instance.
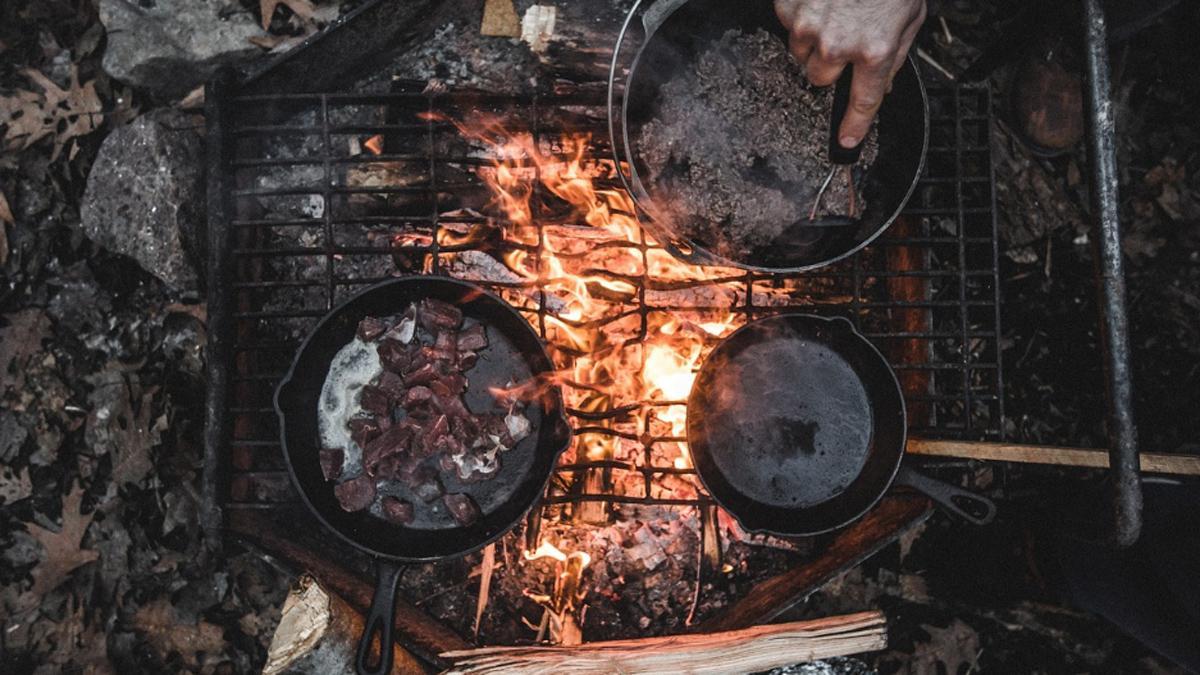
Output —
(742, 651)
(892, 516)
(297, 543)
(1152, 462)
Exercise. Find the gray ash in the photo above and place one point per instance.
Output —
(738, 148)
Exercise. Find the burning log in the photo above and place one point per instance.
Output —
(742, 651)
(318, 633)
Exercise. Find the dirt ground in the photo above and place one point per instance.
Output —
(103, 568)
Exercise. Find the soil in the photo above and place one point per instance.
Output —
(738, 149)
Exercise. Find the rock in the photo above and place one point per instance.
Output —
(145, 196)
(171, 46)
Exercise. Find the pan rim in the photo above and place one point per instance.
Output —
(556, 416)
(623, 153)
(746, 521)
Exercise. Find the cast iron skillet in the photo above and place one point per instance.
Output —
(672, 34)
(796, 425)
(514, 354)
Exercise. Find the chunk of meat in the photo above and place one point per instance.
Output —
(397, 510)
(394, 356)
(331, 462)
(462, 508)
(371, 328)
(436, 315)
(375, 400)
(395, 442)
(416, 396)
(472, 339)
(428, 373)
(355, 494)
(363, 430)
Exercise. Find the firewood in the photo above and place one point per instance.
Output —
(318, 633)
(1152, 462)
(741, 651)
(500, 19)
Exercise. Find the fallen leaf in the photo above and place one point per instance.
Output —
(953, 646)
(61, 113)
(20, 341)
(6, 212)
(74, 645)
(63, 554)
(168, 634)
(301, 8)
(13, 485)
(119, 424)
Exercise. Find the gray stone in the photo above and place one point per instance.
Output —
(145, 196)
(171, 46)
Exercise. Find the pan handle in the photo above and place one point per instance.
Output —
(381, 618)
(963, 503)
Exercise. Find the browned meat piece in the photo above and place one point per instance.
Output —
(394, 356)
(465, 429)
(375, 400)
(370, 328)
(462, 508)
(425, 484)
(363, 430)
(416, 396)
(395, 442)
(472, 339)
(447, 343)
(331, 462)
(452, 405)
(436, 355)
(355, 494)
(493, 425)
(467, 360)
(428, 373)
(406, 329)
(397, 511)
(436, 315)
(392, 385)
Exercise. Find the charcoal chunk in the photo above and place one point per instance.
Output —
(462, 508)
(472, 339)
(331, 462)
(397, 511)
(355, 494)
(371, 328)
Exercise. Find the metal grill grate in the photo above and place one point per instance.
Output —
(312, 218)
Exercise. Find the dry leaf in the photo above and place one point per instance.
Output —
(954, 646)
(120, 423)
(75, 646)
(61, 113)
(13, 485)
(6, 215)
(302, 9)
(168, 634)
(63, 554)
(20, 341)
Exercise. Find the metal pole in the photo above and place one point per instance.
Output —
(1122, 432)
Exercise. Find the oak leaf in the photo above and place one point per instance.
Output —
(62, 114)
(63, 554)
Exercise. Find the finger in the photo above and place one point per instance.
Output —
(906, 40)
(801, 47)
(823, 70)
(786, 11)
(866, 94)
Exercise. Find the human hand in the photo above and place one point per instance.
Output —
(874, 35)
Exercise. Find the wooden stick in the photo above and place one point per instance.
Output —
(318, 633)
(895, 513)
(1152, 462)
(304, 546)
(741, 651)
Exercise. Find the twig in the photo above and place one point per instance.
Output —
(933, 62)
(485, 583)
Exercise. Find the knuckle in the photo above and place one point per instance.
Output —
(867, 104)
(829, 51)
(877, 54)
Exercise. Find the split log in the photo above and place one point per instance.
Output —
(305, 548)
(1152, 462)
(892, 516)
(741, 651)
(318, 633)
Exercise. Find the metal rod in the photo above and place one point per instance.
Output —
(1123, 446)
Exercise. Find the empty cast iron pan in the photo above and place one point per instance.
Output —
(514, 355)
(796, 426)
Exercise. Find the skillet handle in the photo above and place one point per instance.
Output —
(963, 503)
(381, 619)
